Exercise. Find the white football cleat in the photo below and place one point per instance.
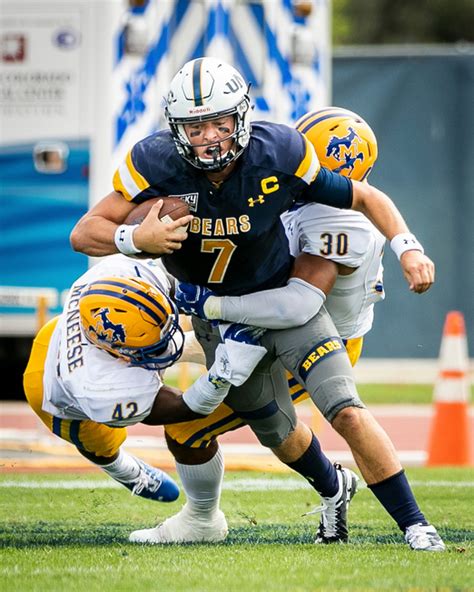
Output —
(424, 537)
(184, 527)
(333, 524)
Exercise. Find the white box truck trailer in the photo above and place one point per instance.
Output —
(82, 80)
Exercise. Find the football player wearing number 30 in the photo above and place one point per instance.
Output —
(239, 178)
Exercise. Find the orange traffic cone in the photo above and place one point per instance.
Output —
(449, 442)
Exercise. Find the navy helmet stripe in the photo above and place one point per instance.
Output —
(197, 91)
(160, 321)
(137, 291)
(307, 117)
(318, 120)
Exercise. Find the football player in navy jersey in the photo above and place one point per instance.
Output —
(238, 179)
(340, 252)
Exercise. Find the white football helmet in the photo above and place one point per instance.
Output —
(205, 89)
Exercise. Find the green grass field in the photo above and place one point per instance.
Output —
(386, 394)
(407, 394)
(76, 539)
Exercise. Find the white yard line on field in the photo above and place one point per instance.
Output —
(257, 484)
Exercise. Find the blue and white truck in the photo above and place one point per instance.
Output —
(82, 80)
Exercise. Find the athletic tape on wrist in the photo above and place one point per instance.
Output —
(124, 239)
(213, 308)
(206, 393)
(403, 242)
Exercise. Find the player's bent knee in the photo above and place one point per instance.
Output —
(348, 419)
(336, 394)
(273, 431)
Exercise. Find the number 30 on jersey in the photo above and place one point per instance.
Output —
(334, 244)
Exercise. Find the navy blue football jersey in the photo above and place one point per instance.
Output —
(236, 242)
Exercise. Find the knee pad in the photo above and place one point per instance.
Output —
(274, 430)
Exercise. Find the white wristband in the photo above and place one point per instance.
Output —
(405, 241)
(124, 239)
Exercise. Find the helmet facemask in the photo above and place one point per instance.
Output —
(240, 137)
(162, 354)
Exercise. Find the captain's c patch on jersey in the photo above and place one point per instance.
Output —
(324, 349)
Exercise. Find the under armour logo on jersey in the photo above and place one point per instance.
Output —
(267, 185)
(259, 200)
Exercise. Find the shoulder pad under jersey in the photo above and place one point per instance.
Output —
(282, 149)
(149, 163)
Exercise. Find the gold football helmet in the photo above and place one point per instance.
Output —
(343, 141)
(132, 320)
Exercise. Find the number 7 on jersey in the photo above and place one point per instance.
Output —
(225, 249)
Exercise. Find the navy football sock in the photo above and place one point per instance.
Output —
(317, 469)
(397, 498)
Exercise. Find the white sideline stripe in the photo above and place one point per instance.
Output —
(234, 485)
